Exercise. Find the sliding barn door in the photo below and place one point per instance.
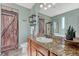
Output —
(9, 30)
(41, 27)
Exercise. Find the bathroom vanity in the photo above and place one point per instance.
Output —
(36, 49)
(54, 48)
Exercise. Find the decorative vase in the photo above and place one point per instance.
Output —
(68, 37)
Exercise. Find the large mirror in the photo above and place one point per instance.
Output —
(62, 22)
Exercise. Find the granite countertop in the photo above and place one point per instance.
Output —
(60, 47)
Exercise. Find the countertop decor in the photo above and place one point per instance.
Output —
(70, 33)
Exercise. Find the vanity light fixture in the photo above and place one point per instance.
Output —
(45, 6)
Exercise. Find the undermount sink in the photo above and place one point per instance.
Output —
(44, 39)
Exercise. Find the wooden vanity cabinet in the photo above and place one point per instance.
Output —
(39, 54)
(38, 49)
(28, 47)
(35, 49)
(52, 54)
(35, 52)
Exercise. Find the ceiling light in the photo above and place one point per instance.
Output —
(49, 6)
(45, 8)
(41, 5)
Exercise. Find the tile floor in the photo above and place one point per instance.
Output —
(22, 51)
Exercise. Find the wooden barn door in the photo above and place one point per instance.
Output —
(9, 30)
(41, 27)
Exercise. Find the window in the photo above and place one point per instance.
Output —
(63, 22)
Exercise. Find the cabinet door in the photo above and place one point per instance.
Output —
(33, 51)
(52, 54)
(39, 49)
(39, 53)
(28, 47)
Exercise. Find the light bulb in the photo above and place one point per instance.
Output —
(49, 6)
(41, 5)
(45, 8)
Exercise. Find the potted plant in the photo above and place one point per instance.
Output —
(70, 33)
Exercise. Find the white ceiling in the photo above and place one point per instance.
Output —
(60, 8)
(57, 9)
(27, 5)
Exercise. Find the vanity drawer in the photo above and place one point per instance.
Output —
(40, 49)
